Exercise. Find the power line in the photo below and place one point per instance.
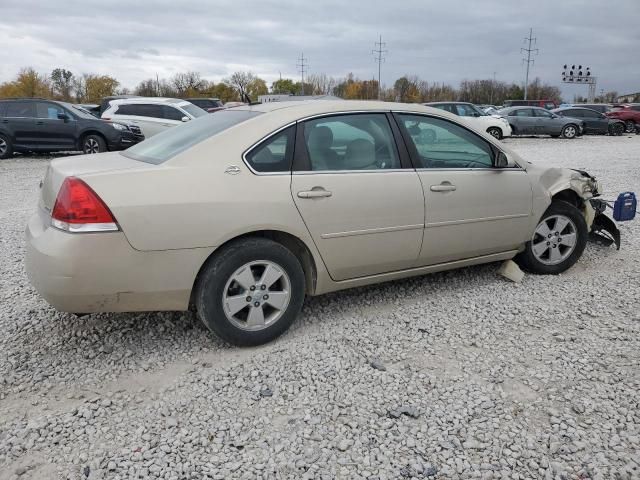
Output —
(302, 66)
(528, 60)
(379, 53)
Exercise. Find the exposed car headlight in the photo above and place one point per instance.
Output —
(120, 127)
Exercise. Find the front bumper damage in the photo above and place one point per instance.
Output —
(603, 229)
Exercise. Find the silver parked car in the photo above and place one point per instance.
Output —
(242, 213)
(539, 121)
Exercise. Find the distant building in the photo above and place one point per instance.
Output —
(629, 98)
(288, 98)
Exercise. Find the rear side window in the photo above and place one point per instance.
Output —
(141, 110)
(171, 113)
(21, 110)
(274, 154)
(160, 148)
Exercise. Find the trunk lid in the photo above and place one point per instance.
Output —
(78, 166)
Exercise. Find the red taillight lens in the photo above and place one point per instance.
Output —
(79, 209)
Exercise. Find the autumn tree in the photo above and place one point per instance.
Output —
(240, 82)
(147, 88)
(90, 88)
(62, 84)
(28, 83)
(284, 86)
(187, 84)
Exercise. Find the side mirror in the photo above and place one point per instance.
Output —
(63, 116)
(185, 119)
(501, 160)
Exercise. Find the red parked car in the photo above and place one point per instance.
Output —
(629, 114)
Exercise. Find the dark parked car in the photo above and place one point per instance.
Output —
(598, 107)
(595, 123)
(538, 121)
(38, 125)
(209, 104)
(629, 114)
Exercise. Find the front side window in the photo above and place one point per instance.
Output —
(21, 109)
(171, 113)
(48, 110)
(443, 144)
(274, 154)
(351, 142)
(522, 112)
(466, 110)
(543, 113)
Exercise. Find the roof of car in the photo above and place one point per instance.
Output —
(444, 103)
(329, 106)
(147, 100)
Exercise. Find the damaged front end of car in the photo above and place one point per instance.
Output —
(603, 230)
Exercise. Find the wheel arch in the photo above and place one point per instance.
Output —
(90, 131)
(294, 244)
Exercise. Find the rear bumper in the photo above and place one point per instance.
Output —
(101, 272)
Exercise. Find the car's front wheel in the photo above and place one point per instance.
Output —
(569, 131)
(495, 132)
(616, 129)
(251, 291)
(6, 148)
(93, 144)
(629, 126)
(557, 242)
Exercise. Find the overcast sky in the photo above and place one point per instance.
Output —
(437, 40)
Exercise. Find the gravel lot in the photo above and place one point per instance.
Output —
(454, 375)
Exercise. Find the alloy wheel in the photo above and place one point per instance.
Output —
(630, 127)
(570, 131)
(91, 146)
(3, 146)
(256, 295)
(554, 240)
(494, 132)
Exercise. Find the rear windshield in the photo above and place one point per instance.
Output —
(166, 145)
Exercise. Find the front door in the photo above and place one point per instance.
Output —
(362, 207)
(472, 208)
(55, 133)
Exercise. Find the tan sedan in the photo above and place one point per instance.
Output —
(242, 213)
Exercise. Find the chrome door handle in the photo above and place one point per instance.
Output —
(314, 194)
(443, 187)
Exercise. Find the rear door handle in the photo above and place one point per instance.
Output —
(443, 187)
(314, 193)
(40, 123)
(5, 121)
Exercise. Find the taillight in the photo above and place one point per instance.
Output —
(79, 209)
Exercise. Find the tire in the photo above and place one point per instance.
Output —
(495, 132)
(226, 284)
(555, 253)
(617, 129)
(93, 144)
(629, 126)
(6, 147)
(569, 131)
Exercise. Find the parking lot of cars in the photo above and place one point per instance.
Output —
(455, 374)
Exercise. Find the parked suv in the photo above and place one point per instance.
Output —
(152, 115)
(209, 104)
(629, 114)
(38, 125)
(494, 125)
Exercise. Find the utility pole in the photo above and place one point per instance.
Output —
(493, 85)
(528, 60)
(379, 53)
(302, 66)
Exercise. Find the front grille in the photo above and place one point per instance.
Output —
(135, 129)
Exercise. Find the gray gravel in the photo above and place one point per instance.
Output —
(454, 375)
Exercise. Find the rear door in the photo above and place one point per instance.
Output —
(595, 122)
(362, 204)
(524, 121)
(20, 120)
(147, 116)
(55, 133)
(471, 207)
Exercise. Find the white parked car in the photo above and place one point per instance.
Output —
(152, 115)
(494, 125)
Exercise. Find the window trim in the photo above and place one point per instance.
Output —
(413, 151)
(302, 164)
(265, 139)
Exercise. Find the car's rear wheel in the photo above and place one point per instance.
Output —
(629, 126)
(569, 131)
(6, 148)
(251, 291)
(93, 144)
(616, 129)
(495, 132)
(557, 242)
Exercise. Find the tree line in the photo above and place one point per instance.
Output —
(62, 84)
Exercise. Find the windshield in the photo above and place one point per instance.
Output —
(481, 112)
(193, 110)
(160, 148)
(79, 111)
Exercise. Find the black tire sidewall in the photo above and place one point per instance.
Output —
(9, 152)
(628, 129)
(102, 145)
(219, 269)
(530, 263)
(495, 129)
